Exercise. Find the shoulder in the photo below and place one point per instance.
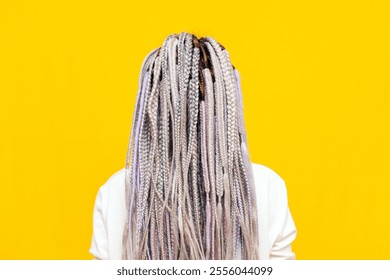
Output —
(265, 173)
(112, 191)
(110, 198)
(114, 183)
(108, 216)
(267, 182)
(274, 213)
(270, 184)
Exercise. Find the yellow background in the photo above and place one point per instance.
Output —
(315, 79)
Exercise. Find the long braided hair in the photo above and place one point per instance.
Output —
(189, 184)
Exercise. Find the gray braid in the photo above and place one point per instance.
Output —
(189, 186)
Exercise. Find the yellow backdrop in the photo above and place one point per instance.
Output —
(315, 78)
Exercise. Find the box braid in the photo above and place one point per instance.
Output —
(190, 190)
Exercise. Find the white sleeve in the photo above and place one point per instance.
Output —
(281, 223)
(99, 246)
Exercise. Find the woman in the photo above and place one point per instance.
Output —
(188, 189)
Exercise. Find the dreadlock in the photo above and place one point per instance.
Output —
(189, 184)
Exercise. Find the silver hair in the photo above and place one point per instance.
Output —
(190, 191)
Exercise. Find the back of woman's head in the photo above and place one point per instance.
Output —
(189, 184)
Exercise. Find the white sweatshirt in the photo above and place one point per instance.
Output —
(276, 227)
